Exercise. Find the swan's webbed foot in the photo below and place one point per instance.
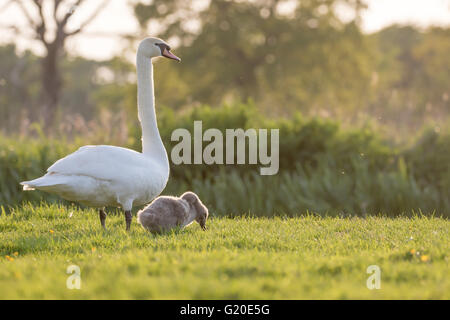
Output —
(128, 218)
(102, 215)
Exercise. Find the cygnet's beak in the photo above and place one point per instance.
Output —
(203, 225)
(166, 53)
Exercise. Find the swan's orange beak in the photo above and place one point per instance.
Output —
(166, 53)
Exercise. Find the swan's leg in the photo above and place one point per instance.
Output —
(102, 215)
(128, 218)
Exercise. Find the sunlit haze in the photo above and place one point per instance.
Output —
(101, 39)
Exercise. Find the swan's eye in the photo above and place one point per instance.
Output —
(163, 46)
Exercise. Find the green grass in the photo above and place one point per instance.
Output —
(242, 258)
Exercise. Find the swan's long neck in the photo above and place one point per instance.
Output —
(151, 140)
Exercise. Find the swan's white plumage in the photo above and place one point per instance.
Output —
(105, 175)
(101, 162)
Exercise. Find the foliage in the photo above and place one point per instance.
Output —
(90, 88)
(51, 31)
(258, 51)
(425, 165)
(305, 58)
(303, 140)
(327, 190)
(242, 258)
(24, 160)
(324, 168)
(19, 88)
(309, 62)
(411, 82)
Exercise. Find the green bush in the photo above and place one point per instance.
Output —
(429, 159)
(302, 140)
(22, 160)
(325, 190)
(323, 168)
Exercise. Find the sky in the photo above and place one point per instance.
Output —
(102, 37)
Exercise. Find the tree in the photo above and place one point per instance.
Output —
(412, 75)
(233, 49)
(53, 42)
(19, 88)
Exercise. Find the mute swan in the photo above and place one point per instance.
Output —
(166, 213)
(101, 176)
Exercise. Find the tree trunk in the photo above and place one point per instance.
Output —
(51, 81)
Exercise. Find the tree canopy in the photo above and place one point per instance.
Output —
(257, 49)
(285, 56)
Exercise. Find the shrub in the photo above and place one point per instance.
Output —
(323, 168)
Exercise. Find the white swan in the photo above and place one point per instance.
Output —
(101, 176)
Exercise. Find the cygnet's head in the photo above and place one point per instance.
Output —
(155, 47)
(200, 209)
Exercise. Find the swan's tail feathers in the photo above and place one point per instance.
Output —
(27, 186)
(46, 183)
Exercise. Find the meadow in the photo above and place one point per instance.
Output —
(306, 257)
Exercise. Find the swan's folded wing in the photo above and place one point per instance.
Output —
(101, 162)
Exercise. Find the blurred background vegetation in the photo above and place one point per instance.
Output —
(364, 118)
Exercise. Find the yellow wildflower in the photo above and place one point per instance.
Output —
(16, 254)
(9, 258)
(424, 258)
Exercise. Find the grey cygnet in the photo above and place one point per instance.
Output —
(166, 212)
